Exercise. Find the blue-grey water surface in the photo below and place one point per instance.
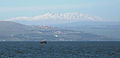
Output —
(67, 49)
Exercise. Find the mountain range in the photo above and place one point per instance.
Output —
(12, 31)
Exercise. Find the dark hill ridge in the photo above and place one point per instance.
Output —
(8, 27)
(12, 31)
(12, 26)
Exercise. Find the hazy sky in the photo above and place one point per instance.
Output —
(105, 9)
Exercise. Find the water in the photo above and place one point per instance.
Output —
(82, 49)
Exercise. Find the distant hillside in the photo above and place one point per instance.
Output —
(107, 29)
(12, 31)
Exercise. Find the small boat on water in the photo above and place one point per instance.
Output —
(43, 42)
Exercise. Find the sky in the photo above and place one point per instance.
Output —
(106, 10)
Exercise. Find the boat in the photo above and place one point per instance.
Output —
(43, 42)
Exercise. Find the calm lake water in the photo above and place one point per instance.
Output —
(82, 49)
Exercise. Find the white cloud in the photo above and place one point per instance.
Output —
(57, 17)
